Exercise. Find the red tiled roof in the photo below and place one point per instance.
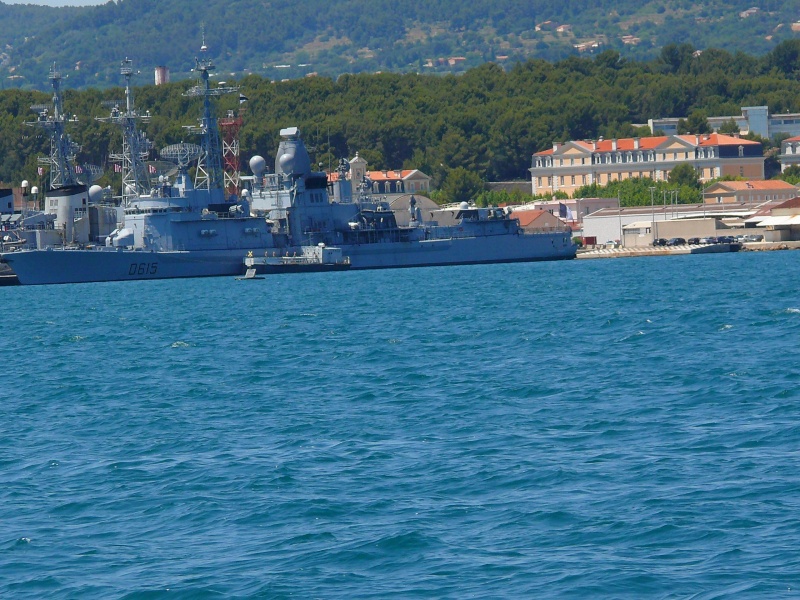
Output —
(526, 217)
(378, 175)
(790, 203)
(758, 184)
(649, 143)
(793, 139)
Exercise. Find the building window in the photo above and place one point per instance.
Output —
(584, 179)
(573, 180)
(562, 180)
(741, 171)
(539, 182)
(571, 161)
(741, 151)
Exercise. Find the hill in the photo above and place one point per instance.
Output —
(331, 37)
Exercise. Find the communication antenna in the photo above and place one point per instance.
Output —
(209, 173)
(135, 145)
(62, 149)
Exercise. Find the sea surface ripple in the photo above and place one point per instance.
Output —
(623, 428)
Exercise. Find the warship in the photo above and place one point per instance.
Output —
(169, 227)
(305, 210)
(292, 220)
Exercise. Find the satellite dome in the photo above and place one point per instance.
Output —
(257, 165)
(464, 205)
(95, 193)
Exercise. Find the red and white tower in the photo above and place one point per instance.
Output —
(229, 127)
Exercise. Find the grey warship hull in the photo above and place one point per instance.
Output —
(39, 267)
(460, 251)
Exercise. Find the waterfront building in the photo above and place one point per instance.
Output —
(573, 210)
(567, 166)
(748, 192)
(674, 220)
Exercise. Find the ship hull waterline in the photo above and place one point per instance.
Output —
(40, 267)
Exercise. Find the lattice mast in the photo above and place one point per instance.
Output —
(135, 145)
(62, 149)
(230, 126)
(209, 173)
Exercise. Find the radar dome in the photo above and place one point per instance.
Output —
(257, 165)
(286, 162)
(464, 205)
(95, 193)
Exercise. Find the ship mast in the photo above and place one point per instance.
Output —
(135, 145)
(209, 173)
(62, 148)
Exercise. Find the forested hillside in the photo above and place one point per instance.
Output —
(488, 120)
(280, 40)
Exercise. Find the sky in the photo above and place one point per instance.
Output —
(57, 2)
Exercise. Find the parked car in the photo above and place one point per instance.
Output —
(659, 242)
(754, 237)
(708, 240)
(726, 239)
(693, 241)
(676, 241)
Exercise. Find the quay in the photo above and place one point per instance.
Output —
(621, 252)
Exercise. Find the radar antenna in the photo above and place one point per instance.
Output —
(181, 154)
(62, 149)
(135, 145)
(209, 173)
(86, 173)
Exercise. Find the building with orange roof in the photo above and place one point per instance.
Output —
(790, 153)
(567, 166)
(385, 183)
(535, 219)
(748, 192)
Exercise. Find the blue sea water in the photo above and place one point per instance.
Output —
(623, 428)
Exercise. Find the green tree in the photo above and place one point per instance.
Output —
(461, 185)
(729, 127)
(697, 122)
(791, 175)
(684, 175)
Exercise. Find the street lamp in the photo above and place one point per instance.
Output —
(653, 209)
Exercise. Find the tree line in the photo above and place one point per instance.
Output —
(487, 122)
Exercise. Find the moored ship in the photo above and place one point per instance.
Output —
(304, 213)
(171, 227)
